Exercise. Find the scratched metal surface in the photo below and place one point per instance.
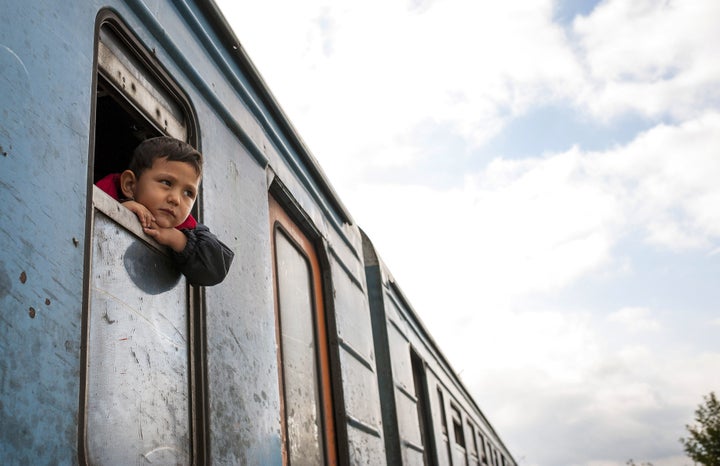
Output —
(45, 88)
(137, 396)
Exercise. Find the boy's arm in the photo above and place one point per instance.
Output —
(205, 260)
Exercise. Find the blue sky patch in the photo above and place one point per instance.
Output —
(566, 10)
(556, 129)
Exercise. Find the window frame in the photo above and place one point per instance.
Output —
(282, 223)
(109, 21)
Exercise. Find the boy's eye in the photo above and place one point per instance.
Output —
(165, 182)
(190, 194)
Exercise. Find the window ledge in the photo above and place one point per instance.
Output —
(125, 217)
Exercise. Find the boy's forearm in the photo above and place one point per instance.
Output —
(170, 237)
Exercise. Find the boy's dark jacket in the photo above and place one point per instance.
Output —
(205, 261)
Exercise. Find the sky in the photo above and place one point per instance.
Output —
(542, 178)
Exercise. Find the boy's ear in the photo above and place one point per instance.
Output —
(127, 183)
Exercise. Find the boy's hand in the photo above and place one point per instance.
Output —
(171, 237)
(143, 214)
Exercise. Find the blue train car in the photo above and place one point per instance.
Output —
(305, 354)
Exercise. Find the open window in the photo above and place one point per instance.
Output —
(135, 100)
(140, 392)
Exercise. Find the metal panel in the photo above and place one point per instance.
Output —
(137, 396)
(352, 312)
(365, 449)
(361, 395)
(45, 80)
(400, 358)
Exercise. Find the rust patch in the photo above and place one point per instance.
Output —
(47, 301)
(23, 277)
(31, 312)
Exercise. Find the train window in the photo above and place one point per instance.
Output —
(483, 449)
(137, 403)
(134, 101)
(420, 383)
(307, 417)
(473, 441)
(443, 421)
(457, 426)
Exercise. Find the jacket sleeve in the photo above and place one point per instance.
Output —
(205, 261)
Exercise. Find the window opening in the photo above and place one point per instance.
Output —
(134, 101)
(457, 426)
(420, 382)
(473, 440)
(483, 449)
(141, 358)
(443, 420)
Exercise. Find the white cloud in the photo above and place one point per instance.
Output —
(538, 225)
(635, 319)
(650, 56)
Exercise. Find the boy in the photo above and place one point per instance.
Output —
(160, 187)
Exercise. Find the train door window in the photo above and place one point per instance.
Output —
(307, 412)
(137, 403)
(444, 425)
(458, 433)
(420, 382)
(483, 449)
(457, 426)
(473, 448)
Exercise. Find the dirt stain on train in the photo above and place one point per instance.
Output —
(5, 283)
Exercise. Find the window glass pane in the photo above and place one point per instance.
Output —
(137, 393)
(298, 354)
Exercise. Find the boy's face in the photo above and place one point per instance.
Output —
(168, 190)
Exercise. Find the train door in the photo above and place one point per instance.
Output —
(308, 429)
(137, 401)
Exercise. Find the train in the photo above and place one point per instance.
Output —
(308, 353)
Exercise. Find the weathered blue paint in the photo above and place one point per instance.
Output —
(44, 135)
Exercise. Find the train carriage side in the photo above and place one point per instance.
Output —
(109, 357)
(429, 416)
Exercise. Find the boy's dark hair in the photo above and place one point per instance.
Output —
(174, 149)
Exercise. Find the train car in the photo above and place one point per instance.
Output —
(429, 417)
(306, 354)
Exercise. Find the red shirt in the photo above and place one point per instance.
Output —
(111, 185)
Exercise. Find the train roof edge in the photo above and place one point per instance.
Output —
(227, 36)
(372, 258)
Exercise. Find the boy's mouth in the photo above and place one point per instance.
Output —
(168, 212)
